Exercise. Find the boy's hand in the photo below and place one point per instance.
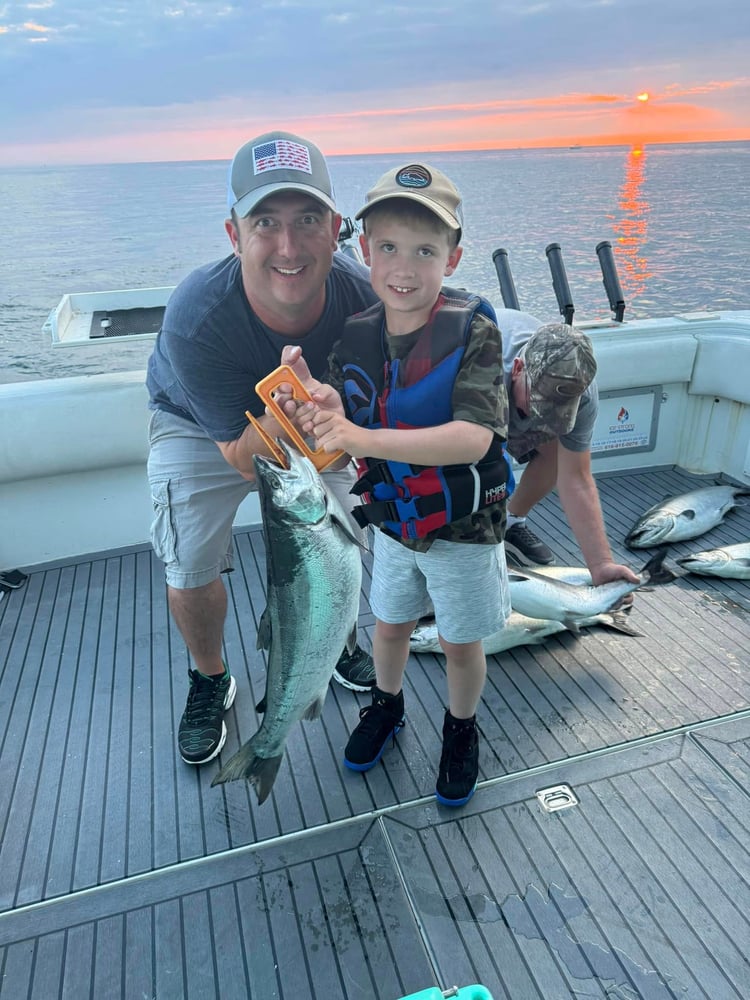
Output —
(333, 432)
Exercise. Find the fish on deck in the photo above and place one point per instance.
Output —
(542, 596)
(520, 631)
(680, 518)
(731, 562)
(314, 574)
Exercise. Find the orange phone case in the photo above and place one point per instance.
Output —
(265, 388)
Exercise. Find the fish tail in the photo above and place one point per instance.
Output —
(655, 571)
(259, 771)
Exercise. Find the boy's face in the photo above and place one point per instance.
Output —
(408, 262)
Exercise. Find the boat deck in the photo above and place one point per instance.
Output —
(124, 874)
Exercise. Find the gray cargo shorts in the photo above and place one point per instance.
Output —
(196, 493)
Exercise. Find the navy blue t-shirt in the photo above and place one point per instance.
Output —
(212, 348)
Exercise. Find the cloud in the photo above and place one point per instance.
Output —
(379, 72)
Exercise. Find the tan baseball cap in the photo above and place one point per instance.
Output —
(421, 183)
(559, 361)
(273, 162)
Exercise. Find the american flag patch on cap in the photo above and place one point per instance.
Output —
(281, 154)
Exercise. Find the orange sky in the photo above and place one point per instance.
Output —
(675, 115)
(702, 113)
(109, 82)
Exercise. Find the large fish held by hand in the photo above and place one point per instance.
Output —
(314, 574)
(686, 516)
(538, 595)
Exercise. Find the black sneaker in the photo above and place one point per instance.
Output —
(525, 548)
(202, 731)
(378, 722)
(459, 761)
(356, 672)
(12, 579)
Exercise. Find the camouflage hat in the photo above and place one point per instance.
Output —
(559, 362)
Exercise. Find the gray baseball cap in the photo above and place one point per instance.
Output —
(277, 161)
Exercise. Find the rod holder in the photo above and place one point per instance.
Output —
(611, 280)
(504, 276)
(560, 282)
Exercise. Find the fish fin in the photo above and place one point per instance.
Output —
(351, 642)
(259, 771)
(263, 640)
(339, 516)
(655, 571)
(520, 573)
(571, 623)
(262, 705)
(618, 621)
(314, 709)
(347, 529)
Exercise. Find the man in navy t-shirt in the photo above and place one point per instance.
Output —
(224, 329)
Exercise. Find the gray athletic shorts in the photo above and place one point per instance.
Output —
(466, 585)
(196, 493)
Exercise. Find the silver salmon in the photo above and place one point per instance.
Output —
(730, 561)
(570, 574)
(314, 574)
(519, 631)
(686, 516)
(545, 597)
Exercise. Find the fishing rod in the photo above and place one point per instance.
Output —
(507, 286)
(347, 240)
(611, 279)
(560, 282)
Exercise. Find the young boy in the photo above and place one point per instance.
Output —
(415, 392)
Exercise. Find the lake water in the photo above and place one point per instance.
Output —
(678, 218)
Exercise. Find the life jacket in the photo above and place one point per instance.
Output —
(410, 501)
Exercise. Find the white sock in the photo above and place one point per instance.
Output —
(513, 519)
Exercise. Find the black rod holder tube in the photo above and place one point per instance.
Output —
(611, 280)
(507, 287)
(560, 282)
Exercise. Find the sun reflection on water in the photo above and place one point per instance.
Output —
(631, 229)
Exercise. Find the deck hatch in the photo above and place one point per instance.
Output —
(126, 322)
(557, 797)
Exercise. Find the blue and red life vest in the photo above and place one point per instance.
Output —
(410, 501)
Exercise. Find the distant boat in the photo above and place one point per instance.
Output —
(577, 146)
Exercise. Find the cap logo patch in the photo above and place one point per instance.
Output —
(414, 176)
(281, 154)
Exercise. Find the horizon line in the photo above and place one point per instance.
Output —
(583, 144)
